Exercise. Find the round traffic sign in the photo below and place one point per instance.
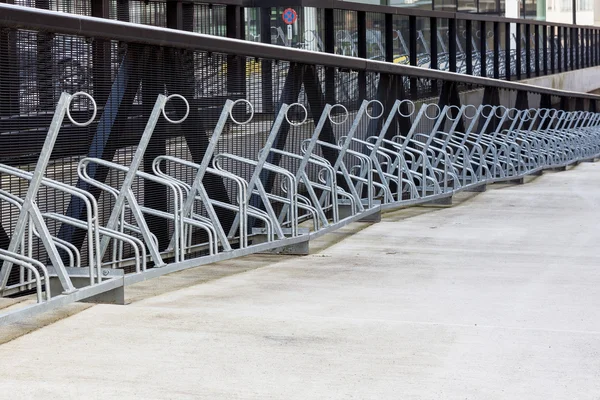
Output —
(289, 16)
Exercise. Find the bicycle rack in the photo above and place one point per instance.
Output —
(30, 215)
(124, 196)
(446, 150)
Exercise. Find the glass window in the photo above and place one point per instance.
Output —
(469, 6)
(423, 4)
(445, 5)
(487, 7)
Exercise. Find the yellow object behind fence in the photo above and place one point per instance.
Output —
(252, 67)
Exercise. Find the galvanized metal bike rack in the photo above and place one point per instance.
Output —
(446, 150)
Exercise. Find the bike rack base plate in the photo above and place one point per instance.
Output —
(345, 211)
(297, 249)
(442, 201)
(80, 278)
(476, 188)
(515, 181)
(561, 168)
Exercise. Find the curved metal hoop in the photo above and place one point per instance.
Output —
(488, 115)
(187, 108)
(84, 94)
(469, 107)
(374, 116)
(432, 106)
(450, 117)
(238, 101)
(296, 123)
(412, 108)
(503, 111)
(347, 114)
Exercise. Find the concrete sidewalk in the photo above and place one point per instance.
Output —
(495, 298)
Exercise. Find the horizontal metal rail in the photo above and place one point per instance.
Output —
(18, 17)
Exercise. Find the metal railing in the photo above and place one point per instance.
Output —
(474, 44)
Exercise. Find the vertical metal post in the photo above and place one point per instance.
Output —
(592, 45)
(329, 43)
(123, 10)
(564, 103)
(483, 48)
(507, 53)
(536, 49)
(596, 45)
(469, 46)
(559, 48)
(575, 43)
(9, 77)
(563, 47)
(236, 65)
(9, 89)
(433, 51)
(584, 47)
(152, 85)
(571, 49)
(452, 43)
(588, 48)
(581, 47)
(44, 64)
(519, 55)
(566, 49)
(101, 55)
(361, 24)
(266, 66)
(528, 50)
(174, 15)
(545, 49)
(412, 48)
(389, 37)
(496, 50)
